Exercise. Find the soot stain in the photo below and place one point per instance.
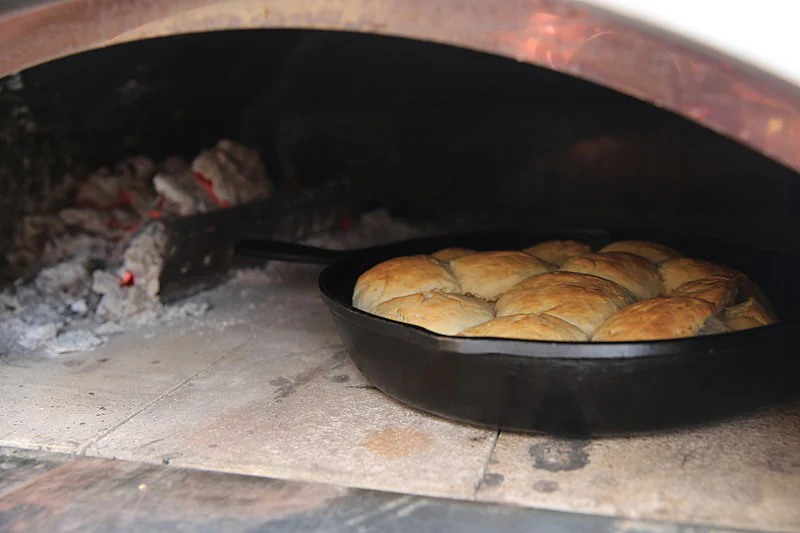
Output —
(557, 455)
(491, 479)
(286, 386)
(341, 378)
(545, 485)
(783, 464)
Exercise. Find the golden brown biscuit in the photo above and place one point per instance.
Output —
(439, 312)
(583, 300)
(657, 318)
(720, 291)
(653, 252)
(527, 327)
(635, 273)
(558, 252)
(747, 315)
(489, 274)
(402, 276)
(676, 272)
(448, 254)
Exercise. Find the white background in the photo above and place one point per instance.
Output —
(765, 33)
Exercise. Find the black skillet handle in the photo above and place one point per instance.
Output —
(285, 251)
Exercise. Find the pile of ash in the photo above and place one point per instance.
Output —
(91, 269)
(109, 208)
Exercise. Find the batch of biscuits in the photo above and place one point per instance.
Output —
(562, 290)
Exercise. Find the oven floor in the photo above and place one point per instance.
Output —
(261, 386)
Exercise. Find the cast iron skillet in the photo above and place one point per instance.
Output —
(566, 388)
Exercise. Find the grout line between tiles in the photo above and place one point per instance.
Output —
(106, 432)
(485, 465)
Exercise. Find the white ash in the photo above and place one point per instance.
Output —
(119, 301)
(32, 335)
(71, 307)
(68, 280)
(74, 306)
(79, 307)
(235, 171)
(144, 257)
(99, 262)
(74, 341)
(112, 203)
(182, 193)
(370, 229)
(127, 185)
(99, 259)
(151, 315)
(224, 175)
(190, 309)
(28, 323)
(79, 245)
(78, 311)
(131, 307)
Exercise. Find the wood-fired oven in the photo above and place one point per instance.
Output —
(147, 367)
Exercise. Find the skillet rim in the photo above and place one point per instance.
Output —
(327, 283)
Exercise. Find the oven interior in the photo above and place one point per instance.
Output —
(421, 128)
(427, 137)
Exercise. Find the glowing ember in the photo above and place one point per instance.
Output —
(127, 279)
(208, 187)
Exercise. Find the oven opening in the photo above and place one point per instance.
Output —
(342, 140)
(131, 328)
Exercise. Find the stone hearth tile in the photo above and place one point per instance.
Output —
(290, 404)
(743, 473)
(65, 402)
(322, 423)
(62, 403)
